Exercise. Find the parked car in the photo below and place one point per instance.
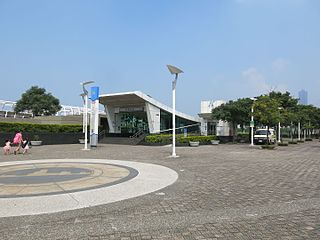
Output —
(260, 136)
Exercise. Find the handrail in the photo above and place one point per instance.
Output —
(102, 134)
(170, 129)
(137, 134)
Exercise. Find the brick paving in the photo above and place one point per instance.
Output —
(223, 192)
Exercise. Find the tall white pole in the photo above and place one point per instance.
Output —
(174, 118)
(251, 123)
(86, 124)
(279, 132)
(299, 131)
(83, 117)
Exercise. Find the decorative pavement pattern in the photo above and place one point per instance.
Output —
(22, 180)
(49, 186)
(223, 192)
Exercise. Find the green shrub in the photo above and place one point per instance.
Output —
(300, 141)
(293, 142)
(243, 136)
(159, 138)
(282, 144)
(39, 128)
(308, 139)
(201, 139)
(269, 147)
(167, 138)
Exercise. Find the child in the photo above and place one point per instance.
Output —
(25, 145)
(7, 147)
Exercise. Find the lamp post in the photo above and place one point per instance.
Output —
(279, 128)
(279, 132)
(85, 96)
(252, 122)
(176, 71)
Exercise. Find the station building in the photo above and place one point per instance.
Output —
(210, 126)
(131, 112)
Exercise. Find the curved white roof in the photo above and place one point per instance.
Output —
(137, 97)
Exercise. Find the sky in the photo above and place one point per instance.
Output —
(228, 49)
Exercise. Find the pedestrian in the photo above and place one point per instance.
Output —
(25, 145)
(7, 147)
(17, 141)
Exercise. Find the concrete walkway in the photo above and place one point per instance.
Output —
(223, 192)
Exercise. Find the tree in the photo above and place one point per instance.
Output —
(288, 105)
(266, 110)
(234, 112)
(289, 109)
(309, 117)
(38, 101)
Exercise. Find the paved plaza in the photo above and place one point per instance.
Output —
(229, 191)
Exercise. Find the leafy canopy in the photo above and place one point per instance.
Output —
(38, 102)
(236, 112)
(267, 110)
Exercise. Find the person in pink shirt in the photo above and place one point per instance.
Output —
(17, 140)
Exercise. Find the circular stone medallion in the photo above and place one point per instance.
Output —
(55, 178)
(54, 185)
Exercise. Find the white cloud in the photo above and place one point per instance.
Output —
(279, 64)
(256, 81)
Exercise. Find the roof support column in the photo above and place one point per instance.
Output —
(111, 118)
(153, 114)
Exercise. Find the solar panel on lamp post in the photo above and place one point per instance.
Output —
(176, 71)
(85, 96)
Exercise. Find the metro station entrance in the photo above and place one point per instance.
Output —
(133, 122)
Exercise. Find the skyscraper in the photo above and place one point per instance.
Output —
(303, 97)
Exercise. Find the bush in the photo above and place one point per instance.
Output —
(269, 147)
(282, 144)
(308, 139)
(167, 139)
(159, 138)
(293, 142)
(243, 137)
(40, 128)
(201, 139)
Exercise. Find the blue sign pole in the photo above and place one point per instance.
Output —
(94, 116)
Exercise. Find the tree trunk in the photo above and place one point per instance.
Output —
(234, 132)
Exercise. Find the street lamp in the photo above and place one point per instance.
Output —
(252, 122)
(85, 97)
(176, 71)
(279, 127)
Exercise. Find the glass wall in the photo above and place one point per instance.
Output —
(132, 122)
(166, 123)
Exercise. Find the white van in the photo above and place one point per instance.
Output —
(260, 136)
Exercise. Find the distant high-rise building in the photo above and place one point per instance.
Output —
(303, 97)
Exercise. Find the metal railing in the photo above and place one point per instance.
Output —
(187, 126)
(137, 134)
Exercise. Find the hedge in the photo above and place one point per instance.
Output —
(39, 128)
(167, 138)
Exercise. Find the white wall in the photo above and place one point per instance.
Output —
(153, 114)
